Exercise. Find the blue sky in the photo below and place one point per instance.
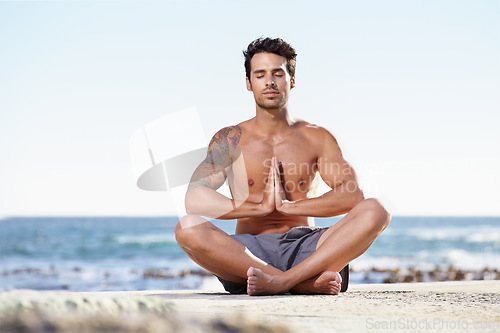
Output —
(411, 90)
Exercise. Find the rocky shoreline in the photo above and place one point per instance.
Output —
(372, 275)
(407, 275)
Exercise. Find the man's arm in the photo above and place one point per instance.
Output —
(338, 174)
(202, 197)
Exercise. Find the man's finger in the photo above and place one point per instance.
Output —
(277, 181)
(272, 177)
(275, 167)
(277, 189)
(272, 185)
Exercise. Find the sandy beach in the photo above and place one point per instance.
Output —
(438, 306)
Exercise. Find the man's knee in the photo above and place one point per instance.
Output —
(375, 214)
(189, 230)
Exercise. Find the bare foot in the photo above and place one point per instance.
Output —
(260, 283)
(326, 283)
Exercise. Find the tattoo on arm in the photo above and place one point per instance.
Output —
(211, 172)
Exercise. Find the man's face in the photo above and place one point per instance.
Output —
(269, 80)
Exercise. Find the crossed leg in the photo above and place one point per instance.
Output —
(216, 251)
(219, 253)
(341, 243)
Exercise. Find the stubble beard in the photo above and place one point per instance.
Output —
(271, 104)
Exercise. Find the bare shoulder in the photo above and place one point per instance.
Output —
(227, 135)
(318, 134)
(223, 145)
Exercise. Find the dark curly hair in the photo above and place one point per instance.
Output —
(277, 46)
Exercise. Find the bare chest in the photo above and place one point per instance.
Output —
(298, 166)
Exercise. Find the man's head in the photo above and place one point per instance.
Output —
(277, 46)
(270, 70)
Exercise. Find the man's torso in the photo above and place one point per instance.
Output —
(297, 149)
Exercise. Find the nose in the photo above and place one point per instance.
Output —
(270, 82)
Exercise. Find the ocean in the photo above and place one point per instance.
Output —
(139, 253)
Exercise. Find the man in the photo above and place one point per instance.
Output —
(270, 162)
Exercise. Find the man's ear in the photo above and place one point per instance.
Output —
(249, 85)
(292, 82)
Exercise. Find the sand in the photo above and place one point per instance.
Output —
(437, 306)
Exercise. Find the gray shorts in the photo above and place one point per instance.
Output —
(282, 251)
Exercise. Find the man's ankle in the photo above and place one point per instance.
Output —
(286, 281)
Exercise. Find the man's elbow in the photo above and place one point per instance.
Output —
(190, 203)
(357, 196)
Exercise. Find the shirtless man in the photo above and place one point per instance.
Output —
(270, 162)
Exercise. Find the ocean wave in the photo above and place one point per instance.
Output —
(438, 234)
(491, 237)
(468, 235)
(426, 260)
(147, 239)
(467, 260)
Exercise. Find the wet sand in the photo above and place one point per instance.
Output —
(463, 306)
